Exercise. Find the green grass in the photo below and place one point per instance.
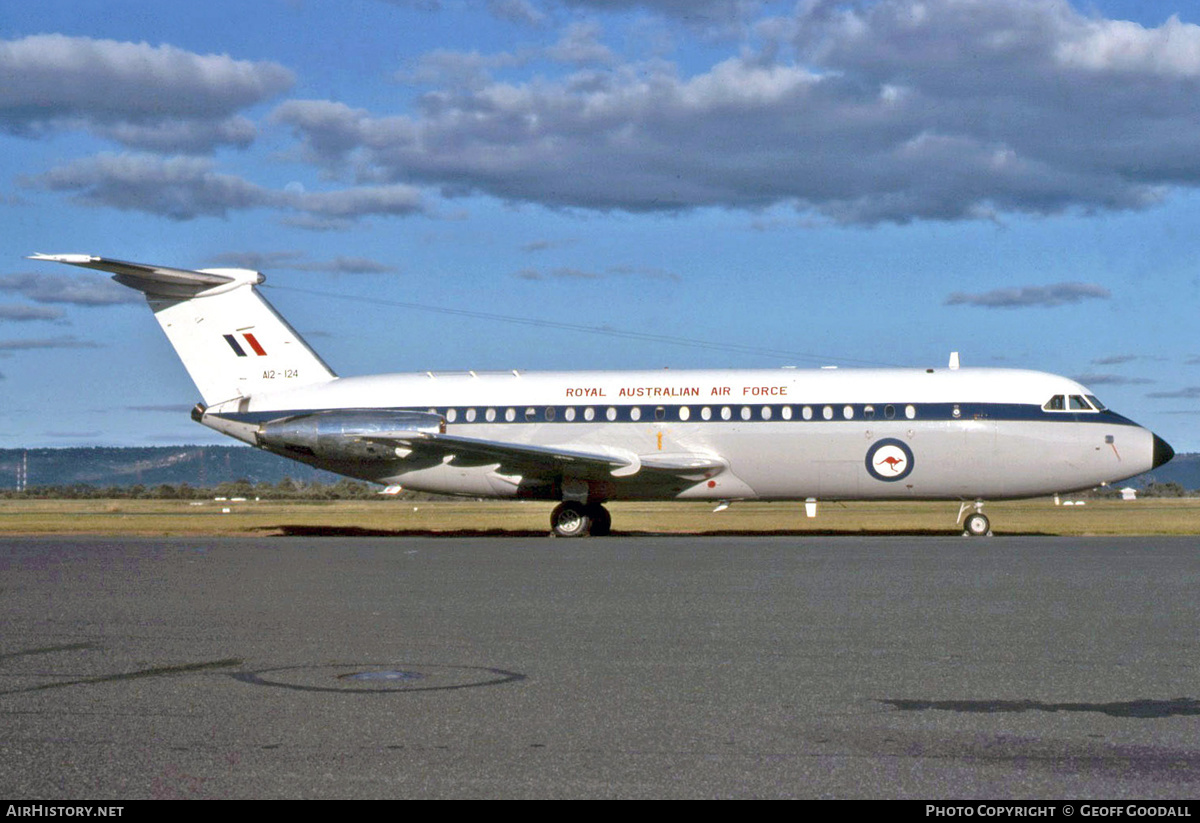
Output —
(395, 517)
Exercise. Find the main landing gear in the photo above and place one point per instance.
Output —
(573, 519)
(976, 524)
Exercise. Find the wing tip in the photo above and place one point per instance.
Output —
(75, 259)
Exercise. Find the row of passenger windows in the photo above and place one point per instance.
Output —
(531, 414)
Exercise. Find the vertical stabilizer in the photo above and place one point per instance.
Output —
(231, 340)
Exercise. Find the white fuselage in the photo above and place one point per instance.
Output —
(779, 434)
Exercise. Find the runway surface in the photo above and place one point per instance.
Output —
(923, 667)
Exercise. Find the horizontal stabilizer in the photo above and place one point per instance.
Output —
(157, 281)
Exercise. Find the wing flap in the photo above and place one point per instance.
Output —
(510, 456)
(524, 458)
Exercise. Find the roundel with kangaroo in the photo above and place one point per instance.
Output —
(889, 460)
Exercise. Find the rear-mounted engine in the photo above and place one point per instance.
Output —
(345, 435)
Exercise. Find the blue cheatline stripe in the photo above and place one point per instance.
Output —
(554, 415)
(233, 344)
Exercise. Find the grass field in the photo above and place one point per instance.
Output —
(401, 518)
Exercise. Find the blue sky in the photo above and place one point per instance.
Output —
(849, 182)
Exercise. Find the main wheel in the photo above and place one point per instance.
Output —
(977, 525)
(570, 519)
(601, 520)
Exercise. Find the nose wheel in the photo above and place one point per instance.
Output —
(976, 524)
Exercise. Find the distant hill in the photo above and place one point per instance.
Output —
(207, 466)
(200, 466)
(1184, 470)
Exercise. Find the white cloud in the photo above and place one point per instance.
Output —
(1057, 294)
(140, 95)
(184, 188)
(893, 111)
(80, 290)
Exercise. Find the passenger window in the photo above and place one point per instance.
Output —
(530, 414)
(806, 413)
(549, 413)
(660, 413)
(451, 415)
(766, 412)
(705, 413)
(635, 413)
(889, 411)
(848, 412)
(746, 412)
(470, 415)
(827, 412)
(611, 413)
(786, 413)
(726, 413)
(569, 414)
(869, 412)
(510, 414)
(589, 413)
(490, 415)
(684, 412)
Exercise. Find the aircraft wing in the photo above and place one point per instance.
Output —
(531, 460)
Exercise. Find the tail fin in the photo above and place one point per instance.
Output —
(231, 340)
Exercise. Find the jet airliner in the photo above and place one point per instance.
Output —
(586, 438)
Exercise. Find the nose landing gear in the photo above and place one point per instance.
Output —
(976, 524)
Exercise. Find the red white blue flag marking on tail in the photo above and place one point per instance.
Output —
(253, 343)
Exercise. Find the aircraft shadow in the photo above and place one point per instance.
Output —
(308, 530)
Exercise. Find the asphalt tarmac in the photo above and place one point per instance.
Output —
(883, 667)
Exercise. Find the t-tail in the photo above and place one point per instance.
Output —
(231, 340)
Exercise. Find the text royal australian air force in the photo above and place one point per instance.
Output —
(671, 392)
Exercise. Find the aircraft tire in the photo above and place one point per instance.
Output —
(977, 525)
(571, 519)
(601, 520)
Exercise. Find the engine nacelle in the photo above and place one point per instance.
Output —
(342, 434)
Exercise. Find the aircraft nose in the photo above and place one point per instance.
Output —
(1162, 451)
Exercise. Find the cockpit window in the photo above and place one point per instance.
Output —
(1099, 406)
(1074, 402)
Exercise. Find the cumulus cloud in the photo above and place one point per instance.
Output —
(1186, 393)
(1057, 294)
(22, 313)
(694, 11)
(175, 408)
(257, 260)
(148, 97)
(1116, 359)
(184, 188)
(568, 273)
(517, 11)
(1103, 379)
(296, 261)
(890, 111)
(61, 342)
(545, 245)
(81, 290)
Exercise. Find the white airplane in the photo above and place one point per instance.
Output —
(585, 438)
